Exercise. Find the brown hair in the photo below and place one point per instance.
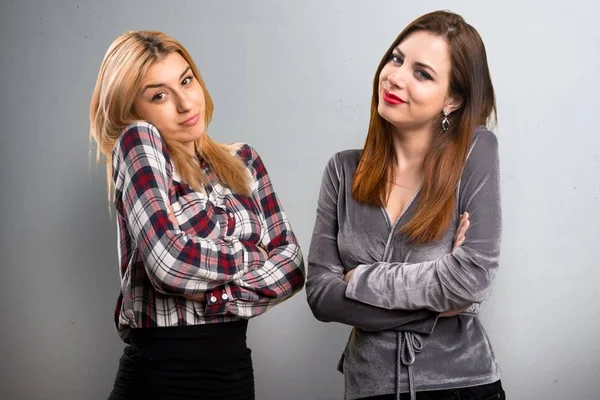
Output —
(443, 165)
(111, 109)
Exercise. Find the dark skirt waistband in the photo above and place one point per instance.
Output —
(194, 341)
(208, 362)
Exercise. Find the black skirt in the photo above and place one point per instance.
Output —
(204, 362)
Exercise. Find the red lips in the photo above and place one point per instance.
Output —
(391, 98)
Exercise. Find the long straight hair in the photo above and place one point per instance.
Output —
(443, 164)
(111, 110)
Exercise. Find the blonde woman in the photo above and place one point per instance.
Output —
(203, 242)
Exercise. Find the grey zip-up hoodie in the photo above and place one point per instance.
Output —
(399, 343)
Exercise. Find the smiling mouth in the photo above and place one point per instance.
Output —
(191, 121)
(391, 98)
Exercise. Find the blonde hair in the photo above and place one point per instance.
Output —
(111, 110)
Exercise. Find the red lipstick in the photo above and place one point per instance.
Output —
(391, 99)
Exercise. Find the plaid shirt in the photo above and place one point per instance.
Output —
(214, 250)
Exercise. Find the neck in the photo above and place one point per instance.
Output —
(411, 146)
(191, 148)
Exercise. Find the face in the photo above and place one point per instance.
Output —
(171, 98)
(413, 85)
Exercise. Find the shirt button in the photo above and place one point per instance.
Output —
(224, 296)
(213, 299)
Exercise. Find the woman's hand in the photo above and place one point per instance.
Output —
(461, 231)
(172, 217)
(196, 297)
(263, 251)
(348, 275)
(453, 312)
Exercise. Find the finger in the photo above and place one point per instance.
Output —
(461, 229)
(460, 232)
(459, 241)
(465, 229)
(457, 235)
(463, 220)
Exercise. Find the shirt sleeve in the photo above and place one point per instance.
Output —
(266, 281)
(460, 278)
(176, 263)
(325, 286)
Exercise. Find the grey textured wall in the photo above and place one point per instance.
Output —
(293, 79)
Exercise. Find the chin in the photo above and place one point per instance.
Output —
(383, 111)
(388, 115)
(196, 133)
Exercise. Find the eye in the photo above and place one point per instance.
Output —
(187, 80)
(159, 96)
(423, 75)
(396, 59)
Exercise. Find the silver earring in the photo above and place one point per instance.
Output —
(445, 122)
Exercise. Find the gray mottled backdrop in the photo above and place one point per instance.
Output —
(293, 78)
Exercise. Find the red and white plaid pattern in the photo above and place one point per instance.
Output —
(214, 250)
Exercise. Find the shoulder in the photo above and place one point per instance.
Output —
(249, 157)
(483, 152)
(350, 156)
(346, 161)
(485, 142)
(243, 151)
(340, 168)
(233, 148)
(482, 162)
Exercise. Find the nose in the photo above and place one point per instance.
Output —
(398, 76)
(184, 103)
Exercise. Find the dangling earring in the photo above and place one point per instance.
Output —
(445, 122)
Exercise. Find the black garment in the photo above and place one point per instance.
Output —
(492, 391)
(191, 362)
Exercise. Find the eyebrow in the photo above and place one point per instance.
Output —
(156, 85)
(417, 63)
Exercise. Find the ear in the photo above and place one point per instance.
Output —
(453, 103)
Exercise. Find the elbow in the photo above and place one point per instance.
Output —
(319, 312)
(296, 283)
(321, 317)
(296, 287)
(484, 284)
(296, 278)
(288, 285)
(482, 294)
(300, 276)
(316, 303)
(311, 298)
(478, 291)
(474, 278)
